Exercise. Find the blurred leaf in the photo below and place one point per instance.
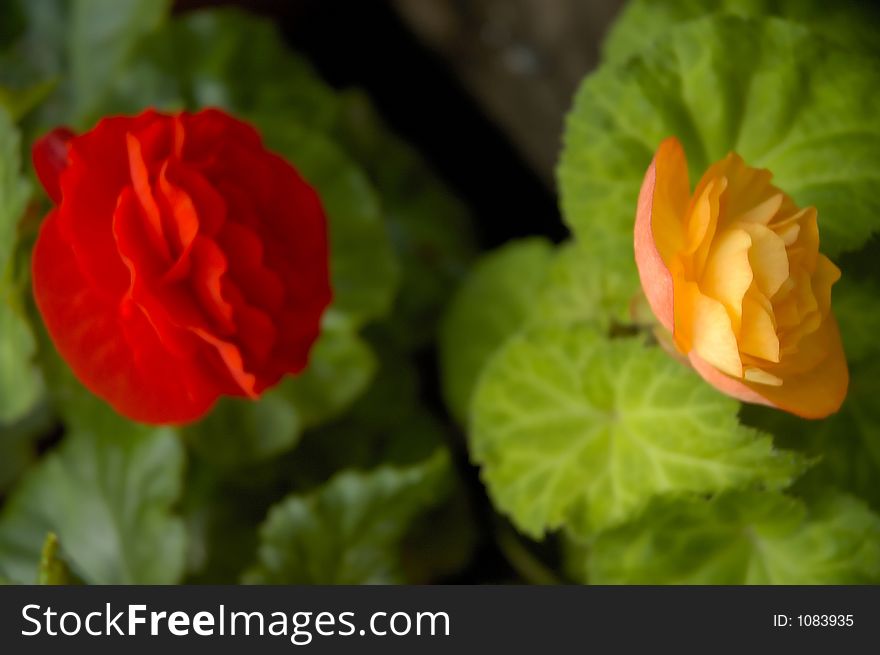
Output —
(577, 431)
(340, 369)
(18, 443)
(20, 382)
(348, 531)
(84, 43)
(18, 102)
(493, 304)
(224, 58)
(108, 495)
(364, 268)
(858, 314)
(846, 445)
(744, 538)
(240, 432)
(430, 229)
(14, 189)
(759, 87)
(53, 570)
(103, 33)
(848, 23)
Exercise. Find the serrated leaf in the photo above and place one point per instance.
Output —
(348, 531)
(847, 23)
(494, 303)
(580, 432)
(744, 538)
(108, 496)
(763, 88)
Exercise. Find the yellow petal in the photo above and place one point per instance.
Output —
(728, 273)
(760, 376)
(768, 258)
(702, 225)
(824, 277)
(713, 338)
(758, 334)
(761, 213)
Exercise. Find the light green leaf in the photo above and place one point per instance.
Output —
(577, 431)
(108, 496)
(744, 538)
(350, 530)
(493, 304)
(53, 570)
(364, 268)
(583, 285)
(642, 22)
(761, 88)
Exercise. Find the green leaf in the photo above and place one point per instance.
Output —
(53, 570)
(103, 33)
(18, 443)
(84, 43)
(14, 189)
(21, 385)
(340, 369)
(744, 538)
(583, 285)
(20, 382)
(762, 88)
(492, 305)
(642, 22)
(364, 268)
(240, 432)
(108, 496)
(19, 102)
(350, 530)
(846, 445)
(858, 314)
(577, 431)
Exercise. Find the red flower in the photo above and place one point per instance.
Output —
(183, 262)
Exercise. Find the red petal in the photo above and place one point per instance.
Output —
(50, 159)
(115, 354)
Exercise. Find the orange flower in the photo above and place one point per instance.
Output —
(734, 272)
